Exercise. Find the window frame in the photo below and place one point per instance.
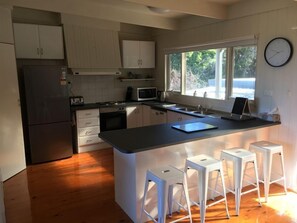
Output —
(229, 45)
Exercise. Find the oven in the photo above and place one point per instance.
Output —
(112, 118)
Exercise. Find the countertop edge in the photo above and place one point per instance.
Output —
(216, 134)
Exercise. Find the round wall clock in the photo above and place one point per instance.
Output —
(278, 52)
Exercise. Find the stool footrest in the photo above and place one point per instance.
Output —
(248, 191)
(274, 181)
(148, 214)
(180, 219)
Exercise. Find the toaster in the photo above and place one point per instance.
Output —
(76, 100)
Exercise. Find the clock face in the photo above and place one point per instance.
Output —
(278, 52)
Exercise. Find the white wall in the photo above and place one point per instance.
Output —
(281, 81)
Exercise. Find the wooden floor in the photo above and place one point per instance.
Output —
(81, 190)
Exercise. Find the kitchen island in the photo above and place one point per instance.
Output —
(139, 149)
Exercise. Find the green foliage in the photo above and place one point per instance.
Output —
(245, 62)
(201, 65)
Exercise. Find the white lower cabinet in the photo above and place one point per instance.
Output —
(178, 117)
(88, 128)
(134, 116)
(158, 117)
(146, 115)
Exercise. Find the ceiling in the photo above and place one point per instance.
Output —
(173, 9)
(136, 12)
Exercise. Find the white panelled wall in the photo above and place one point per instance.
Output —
(280, 81)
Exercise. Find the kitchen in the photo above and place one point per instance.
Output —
(273, 84)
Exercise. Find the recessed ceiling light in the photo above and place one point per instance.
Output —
(159, 10)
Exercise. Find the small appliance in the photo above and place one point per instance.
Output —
(76, 100)
(144, 93)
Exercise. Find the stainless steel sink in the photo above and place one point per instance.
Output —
(168, 105)
(203, 112)
(186, 109)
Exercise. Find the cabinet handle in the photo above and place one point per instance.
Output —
(88, 123)
(89, 140)
(88, 114)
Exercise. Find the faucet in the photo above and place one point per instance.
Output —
(200, 109)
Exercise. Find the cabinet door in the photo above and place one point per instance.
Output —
(51, 42)
(131, 54)
(187, 117)
(6, 34)
(178, 117)
(26, 41)
(146, 115)
(173, 117)
(134, 116)
(158, 117)
(12, 152)
(147, 54)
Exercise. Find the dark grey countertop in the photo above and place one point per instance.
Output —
(150, 137)
(162, 106)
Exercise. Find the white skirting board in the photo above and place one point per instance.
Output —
(2, 208)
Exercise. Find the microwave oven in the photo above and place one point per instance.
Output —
(144, 93)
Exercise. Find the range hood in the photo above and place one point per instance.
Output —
(102, 72)
(92, 51)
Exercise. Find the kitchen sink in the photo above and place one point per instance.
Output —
(168, 105)
(186, 109)
(203, 112)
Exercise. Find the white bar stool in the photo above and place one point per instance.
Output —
(165, 178)
(205, 164)
(240, 158)
(268, 149)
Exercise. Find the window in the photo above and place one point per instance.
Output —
(175, 72)
(216, 72)
(244, 70)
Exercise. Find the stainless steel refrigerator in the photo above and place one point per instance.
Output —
(48, 119)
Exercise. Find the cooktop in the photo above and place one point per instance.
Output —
(111, 103)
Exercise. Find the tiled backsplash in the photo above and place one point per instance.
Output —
(101, 88)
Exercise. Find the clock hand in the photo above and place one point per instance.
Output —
(273, 55)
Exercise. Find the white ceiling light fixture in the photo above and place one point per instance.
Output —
(158, 10)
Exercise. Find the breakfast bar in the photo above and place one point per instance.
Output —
(139, 149)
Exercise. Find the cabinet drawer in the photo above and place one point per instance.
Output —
(88, 140)
(88, 131)
(86, 122)
(87, 113)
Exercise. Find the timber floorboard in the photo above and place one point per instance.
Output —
(81, 190)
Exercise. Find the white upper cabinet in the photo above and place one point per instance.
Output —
(138, 54)
(6, 34)
(38, 41)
